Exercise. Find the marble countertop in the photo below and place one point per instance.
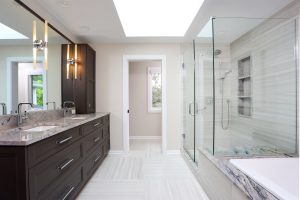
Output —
(19, 137)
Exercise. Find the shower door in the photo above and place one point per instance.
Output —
(188, 88)
(204, 97)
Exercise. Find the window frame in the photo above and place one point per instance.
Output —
(152, 109)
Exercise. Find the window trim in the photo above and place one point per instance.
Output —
(150, 108)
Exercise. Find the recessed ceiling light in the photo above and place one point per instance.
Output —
(64, 3)
(206, 31)
(156, 18)
(7, 33)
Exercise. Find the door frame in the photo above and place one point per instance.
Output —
(9, 65)
(126, 60)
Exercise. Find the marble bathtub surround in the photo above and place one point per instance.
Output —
(17, 136)
(251, 188)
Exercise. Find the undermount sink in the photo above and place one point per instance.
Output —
(40, 128)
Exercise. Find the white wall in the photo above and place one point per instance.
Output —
(109, 86)
(142, 122)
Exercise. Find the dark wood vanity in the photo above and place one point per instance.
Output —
(56, 167)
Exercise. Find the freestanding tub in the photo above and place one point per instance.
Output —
(280, 176)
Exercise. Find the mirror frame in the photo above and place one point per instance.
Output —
(42, 19)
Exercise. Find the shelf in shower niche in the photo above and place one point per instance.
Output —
(243, 77)
(244, 87)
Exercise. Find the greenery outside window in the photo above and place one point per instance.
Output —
(37, 91)
(154, 89)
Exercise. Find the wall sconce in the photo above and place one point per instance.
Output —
(40, 45)
(72, 61)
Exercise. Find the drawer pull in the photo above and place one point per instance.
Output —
(96, 139)
(68, 193)
(66, 164)
(98, 157)
(64, 140)
(97, 124)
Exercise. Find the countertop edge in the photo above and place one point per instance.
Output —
(52, 132)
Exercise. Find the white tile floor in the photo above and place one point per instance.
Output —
(144, 174)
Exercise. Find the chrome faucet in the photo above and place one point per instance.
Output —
(54, 104)
(69, 110)
(3, 108)
(20, 116)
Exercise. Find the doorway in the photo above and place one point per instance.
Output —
(144, 102)
(145, 105)
(25, 83)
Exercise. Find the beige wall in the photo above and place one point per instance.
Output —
(141, 122)
(109, 93)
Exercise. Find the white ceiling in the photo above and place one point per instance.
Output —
(16, 17)
(96, 21)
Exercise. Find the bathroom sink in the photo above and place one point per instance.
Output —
(40, 128)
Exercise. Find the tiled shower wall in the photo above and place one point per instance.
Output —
(273, 77)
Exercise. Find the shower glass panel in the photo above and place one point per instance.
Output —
(204, 100)
(255, 86)
(188, 84)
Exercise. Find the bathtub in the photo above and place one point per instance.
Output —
(280, 176)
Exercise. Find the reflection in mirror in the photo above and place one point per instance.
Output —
(19, 80)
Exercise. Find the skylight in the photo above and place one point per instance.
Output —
(7, 33)
(206, 31)
(156, 18)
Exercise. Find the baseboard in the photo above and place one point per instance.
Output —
(145, 137)
(115, 152)
(173, 152)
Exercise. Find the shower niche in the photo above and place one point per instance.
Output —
(244, 87)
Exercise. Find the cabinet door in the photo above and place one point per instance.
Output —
(13, 184)
(82, 89)
(91, 71)
(80, 82)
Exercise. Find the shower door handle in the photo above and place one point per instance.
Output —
(190, 109)
(196, 109)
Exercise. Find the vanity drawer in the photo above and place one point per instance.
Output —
(67, 187)
(93, 161)
(43, 149)
(91, 126)
(54, 167)
(93, 139)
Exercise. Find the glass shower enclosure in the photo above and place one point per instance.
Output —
(240, 88)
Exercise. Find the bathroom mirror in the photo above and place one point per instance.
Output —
(20, 81)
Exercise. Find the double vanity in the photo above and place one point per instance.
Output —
(46, 154)
(53, 159)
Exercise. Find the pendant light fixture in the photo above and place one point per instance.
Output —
(72, 62)
(46, 45)
(40, 45)
(68, 63)
(33, 40)
(75, 66)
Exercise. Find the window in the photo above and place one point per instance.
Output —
(154, 89)
(37, 91)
